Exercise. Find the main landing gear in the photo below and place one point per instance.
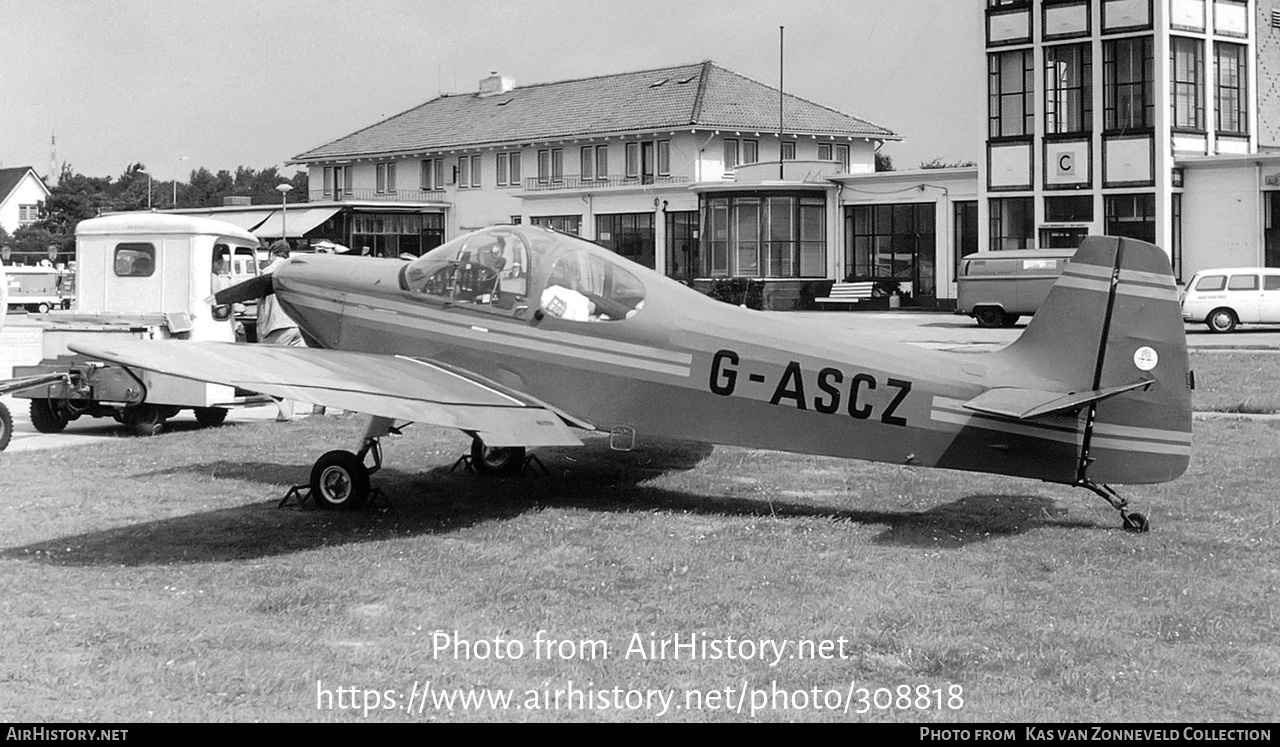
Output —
(340, 479)
(1133, 522)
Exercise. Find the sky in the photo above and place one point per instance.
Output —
(177, 85)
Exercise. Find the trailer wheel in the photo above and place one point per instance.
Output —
(6, 427)
(144, 419)
(47, 416)
(989, 316)
(211, 417)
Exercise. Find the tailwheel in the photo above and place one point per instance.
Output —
(339, 480)
(496, 461)
(1135, 522)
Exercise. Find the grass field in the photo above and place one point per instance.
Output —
(156, 580)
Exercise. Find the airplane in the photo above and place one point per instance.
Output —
(519, 335)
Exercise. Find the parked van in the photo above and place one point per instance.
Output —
(997, 288)
(1223, 298)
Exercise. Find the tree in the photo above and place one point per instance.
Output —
(884, 161)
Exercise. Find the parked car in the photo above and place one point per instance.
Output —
(1226, 297)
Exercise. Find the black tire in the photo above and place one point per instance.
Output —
(47, 416)
(339, 480)
(211, 417)
(1221, 320)
(989, 316)
(144, 420)
(6, 427)
(1009, 320)
(507, 460)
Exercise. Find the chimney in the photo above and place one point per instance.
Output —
(496, 84)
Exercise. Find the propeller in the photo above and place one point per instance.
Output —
(249, 290)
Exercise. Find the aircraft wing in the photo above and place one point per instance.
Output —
(1024, 404)
(390, 386)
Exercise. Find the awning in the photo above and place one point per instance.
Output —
(297, 221)
(246, 219)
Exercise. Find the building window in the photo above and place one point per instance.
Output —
(1231, 77)
(551, 166)
(1186, 60)
(738, 152)
(630, 235)
(1010, 90)
(386, 183)
(842, 155)
(966, 227)
(571, 224)
(1068, 95)
(1073, 209)
(431, 176)
(664, 158)
(328, 181)
(824, 152)
(1175, 251)
(28, 214)
(893, 242)
(633, 160)
(595, 162)
(1133, 216)
(788, 150)
(508, 167)
(1128, 98)
(1012, 223)
(468, 172)
(775, 235)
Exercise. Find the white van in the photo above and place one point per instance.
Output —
(1223, 298)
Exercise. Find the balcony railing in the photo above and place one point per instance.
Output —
(573, 181)
(373, 195)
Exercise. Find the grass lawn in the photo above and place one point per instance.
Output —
(157, 580)
(1237, 382)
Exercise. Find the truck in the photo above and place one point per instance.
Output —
(40, 289)
(141, 276)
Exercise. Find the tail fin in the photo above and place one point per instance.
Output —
(1110, 322)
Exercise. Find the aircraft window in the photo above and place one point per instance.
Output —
(1243, 283)
(1212, 283)
(585, 286)
(489, 268)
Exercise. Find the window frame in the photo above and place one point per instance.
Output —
(1002, 91)
(1240, 109)
(1178, 82)
(1113, 86)
(1081, 65)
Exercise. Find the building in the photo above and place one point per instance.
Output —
(21, 192)
(693, 170)
(1154, 119)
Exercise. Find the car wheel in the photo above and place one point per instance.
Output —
(989, 316)
(47, 416)
(211, 417)
(43, 308)
(499, 461)
(144, 420)
(6, 427)
(1222, 320)
(339, 480)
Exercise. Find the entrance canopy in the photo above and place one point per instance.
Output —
(298, 222)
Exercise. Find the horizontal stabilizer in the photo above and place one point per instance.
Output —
(1024, 404)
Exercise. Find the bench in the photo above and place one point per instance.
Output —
(849, 292)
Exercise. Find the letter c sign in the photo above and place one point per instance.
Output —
(1066, 164)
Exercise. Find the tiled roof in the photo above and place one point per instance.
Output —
(9, 179)
(698, 95)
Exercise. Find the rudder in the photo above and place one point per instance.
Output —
(1111, 320)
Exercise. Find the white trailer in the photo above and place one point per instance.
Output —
(147, 276)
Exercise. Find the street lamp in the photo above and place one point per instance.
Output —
(175, 178)
(148, 173)
(284, 189)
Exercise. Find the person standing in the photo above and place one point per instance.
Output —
(275, 326)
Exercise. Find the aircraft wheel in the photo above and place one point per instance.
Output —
(47, 416)
(989, 316)
(211, 417)
(500, 461)
(6, 427)
(1222, 320)
(340, 480)
(144, 420)
(1136, 523)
